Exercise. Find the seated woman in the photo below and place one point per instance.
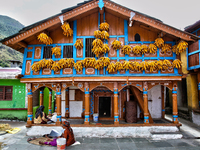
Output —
(68, 134)
(40, 116)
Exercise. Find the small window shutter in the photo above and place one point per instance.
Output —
(8, 93)
(47, 52)
(68, 51)
(1, 92)
(88, 48)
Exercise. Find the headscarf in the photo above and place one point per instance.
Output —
(39, 112)
(66, 124)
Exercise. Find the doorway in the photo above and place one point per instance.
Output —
(104, 106)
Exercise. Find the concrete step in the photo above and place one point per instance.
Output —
(166, 135)
(116, 132)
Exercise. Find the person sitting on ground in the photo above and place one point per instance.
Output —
(40, 116)
(68, 134)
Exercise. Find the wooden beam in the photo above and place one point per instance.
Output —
(149, 21)
(101, 11)
(22, 44)
(53, 21)
(139, 98)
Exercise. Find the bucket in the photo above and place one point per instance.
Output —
(61, 143)
(95, 117)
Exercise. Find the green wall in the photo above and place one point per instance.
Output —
(46, 102)
(19, 92)
(14, 115)
(18, 100)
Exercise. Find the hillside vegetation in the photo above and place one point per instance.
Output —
(8, 27)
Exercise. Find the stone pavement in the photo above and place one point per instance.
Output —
(190, 141)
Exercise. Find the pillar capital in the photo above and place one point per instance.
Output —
(115, 91)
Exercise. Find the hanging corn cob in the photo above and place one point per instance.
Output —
(99, 64)
(105, 48)
(159, 42)
(104, 26)
(131, 65)
(78, 66)
(56, 51)
(126, 49)
(136, 49)
(111, 68)
(174, 49)
(42, 37)
(143, 65)
(97, 42)
(97, 34)
(89, 62)
(106, 61)
(166, 48)
(176, 64)
(49, 63)
(152, 48)
(104, 35)
(69, 63)
(67, 31)
(78, 44)
(55, 67)
(35, 67)
(97, 51)
(144, 49)
(118, 66)
(151, 66)
(61, 63)
(166, 64)
(136, 66)
(42, 63)
(126, 65)
(159, 64)
(181, 47)
(116, 44)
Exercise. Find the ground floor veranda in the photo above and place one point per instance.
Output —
(137, 86)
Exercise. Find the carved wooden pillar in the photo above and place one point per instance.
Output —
(30, 105)
(163, 101)
(116, 113)
(87, 104)
(175, 106)
(145, 98)
(67, 103)
(41, 96)
(50, 103)
(58, 104)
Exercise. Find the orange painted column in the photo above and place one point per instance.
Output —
(41, 97)
(67, 103)
(116, 113)
(87, 104)
(30, 105)
(58, 104)
(175, 106)
(163, 101)
(146, 112)
(50, 103)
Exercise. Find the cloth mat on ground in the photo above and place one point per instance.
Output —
(36, 141)
(44, 139)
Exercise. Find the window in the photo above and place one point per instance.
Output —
(137, 37)
(47, 52)
(88, 48)
(68, 51)
(6, 92)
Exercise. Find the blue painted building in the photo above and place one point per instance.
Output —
(105, 56)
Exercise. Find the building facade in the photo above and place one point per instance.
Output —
(105, 56)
